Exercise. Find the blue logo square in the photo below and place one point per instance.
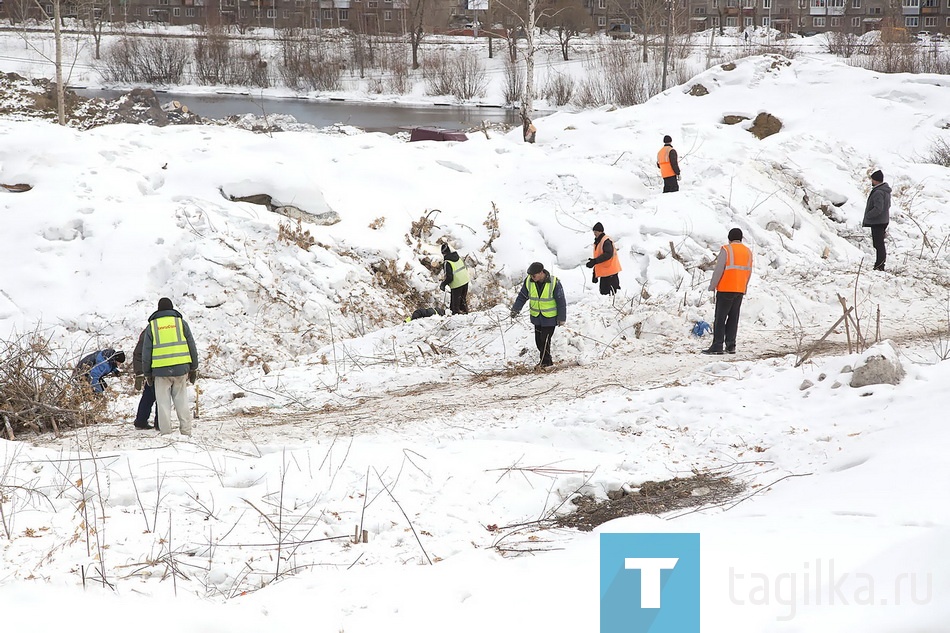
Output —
(649, 583)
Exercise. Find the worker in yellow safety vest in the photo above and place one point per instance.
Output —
(668, 163)
(545, 297)
(456, 278)
(730, 280)
(605, 262)
(170, 362)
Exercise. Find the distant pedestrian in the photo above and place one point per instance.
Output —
(668, 162)
(147, 399)
(528, 131)
(95, 367)
(605, 262)
(877, 215)
(169, 359)
(456, 278)
(548, 307)
(730, 280)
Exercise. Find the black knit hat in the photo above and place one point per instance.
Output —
(735, 235)
(535, 268)
(165, 304)
(599, 227)
(119, 357)
(667, 139)
(878, 176)
(445, 249)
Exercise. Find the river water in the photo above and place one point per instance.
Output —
(373, 117)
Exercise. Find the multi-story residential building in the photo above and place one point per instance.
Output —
(396, 16)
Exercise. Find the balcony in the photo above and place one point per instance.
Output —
(910, 10)
(817, 11)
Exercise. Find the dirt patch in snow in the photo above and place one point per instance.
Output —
(652, 497)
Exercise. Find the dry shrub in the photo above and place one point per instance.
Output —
(559, 90)
(939, 152)
(514, 82)
(291, 233)
(218, 61)
(456, 73)
(310, 62)
(145, 60)
(38, 391)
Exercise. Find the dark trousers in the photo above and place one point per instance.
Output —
(146, 402)
(726, 324)
(458, 303)
(542, 338)
(671, 184)
(877, 239)
(610, 285)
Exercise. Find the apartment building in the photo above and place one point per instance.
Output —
(394, 16)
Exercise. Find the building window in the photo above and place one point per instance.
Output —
(748, 21)
(802, 4)
(930, 21)
(856, 22)
(601, 20)
(164, 3)
(911, 21)
(243, 13)
(344, 15)
(387, 16)
(328, 14)
(715, 4)
(229, 3)
(137, 11)
(176, 12)
(818, 21)
(272, 14)
(715, 21)
(730, 21)
(372, 4)
(766, 4)
(602, 4)
(855, 4)
(748, 4)
(766, 22)
(910, 4)
(835, 21)
(49, 9)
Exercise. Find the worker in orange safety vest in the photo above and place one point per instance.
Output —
(730, 280)
(668, 162)
(605, 262)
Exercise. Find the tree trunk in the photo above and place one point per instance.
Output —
(60, 89)
(527, 100)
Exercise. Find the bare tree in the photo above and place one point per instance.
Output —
(94, 15)
(569, 19)
(417, 18)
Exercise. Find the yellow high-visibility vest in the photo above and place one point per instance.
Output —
(459, 273)
(542, 304)
(169, 345)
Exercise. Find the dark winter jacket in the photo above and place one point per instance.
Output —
(137, 354)
(447, 269)
(606, 253)
(540, 320)
(878, 209)
(96, 366)
(148, 342)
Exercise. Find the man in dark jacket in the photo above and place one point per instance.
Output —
(545, 297)
(97, 365)
(456, 278)
(147, 401)
(877, 214)
(170, 362)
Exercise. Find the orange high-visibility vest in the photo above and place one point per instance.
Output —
(663, 158)
(735, 277)
(609, 267)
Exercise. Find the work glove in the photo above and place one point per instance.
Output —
(593, 278)
(514, 315)
(442, 286)
(150, 380)
(139, 379)
(193, 376)
(590, 263)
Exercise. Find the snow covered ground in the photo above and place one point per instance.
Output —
(322, 410)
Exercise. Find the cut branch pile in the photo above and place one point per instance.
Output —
(37, 389)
